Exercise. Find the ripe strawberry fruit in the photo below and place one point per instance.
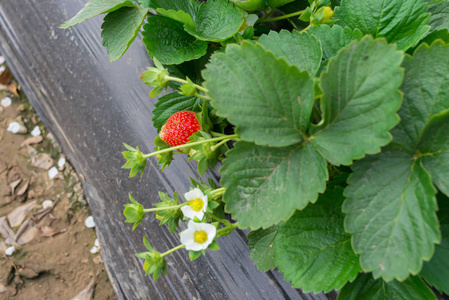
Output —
(179, 127)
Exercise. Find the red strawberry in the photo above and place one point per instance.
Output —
(179, 127)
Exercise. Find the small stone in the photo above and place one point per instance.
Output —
(36, 131)
(47, 204)
(53, 172)
(14, 127)
(94, 250)
(10, 250)
(97, 243)
(6, 102)
(2, 60)
(89, 222)
(61, 162)
(2, 69)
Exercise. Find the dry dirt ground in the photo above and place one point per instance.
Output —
(52, 258)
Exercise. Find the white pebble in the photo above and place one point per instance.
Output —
(53, 172)
(61, 162)
(90, 223)
(10, 250)
(2, 69)
(94, 250)
(97, 243)
(14, 127)
(6, 102)
(36, 131)
(2, 60)
(47, 204)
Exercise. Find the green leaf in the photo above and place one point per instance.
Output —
(434, 147)
(216, 21)
(426, 91)
(214, 246)
(367, 288)
(403, 22)
(442, 34)
(94, 8)
(266, 185)
(173, 103)
(360, 101)
(251, 5)
(120, 28)
(188, 6)
(277, 3)
(147, 244)
(436, 271)
(439, 10)
(261, 244)
(334, 38)
(301, 50)
(313, 250)
(166, 39)
(194, 254)
(179, 16)
(391, 210)
(269, 101)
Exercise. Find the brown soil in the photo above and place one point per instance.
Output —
(60, 265)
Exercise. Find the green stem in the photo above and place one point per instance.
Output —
(226, 223)
(226, 230)
(163, 208)
(217, 134)
(202, 96)
(215, 147)
(218, 191)
(191, 144)
(172, 250)
(185, 81)
(265, 20)
(305, 29)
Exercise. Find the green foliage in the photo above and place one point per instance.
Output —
(301, 50)
(261, 244)
(439, 10)
(313, 250)
(96, 7)
(251, 5)
(276, 110)
(436, 271)
(154, 262)
(366, 287)
(134, 161)
(169, 216)
(342, 139)
(403, 22)
(391, 199)
(166, 40)
(216, 21)
(134, 212)
(360, 99)
(266, 185)
(120, 28)
(334, 38)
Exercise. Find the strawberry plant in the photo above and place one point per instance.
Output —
(333, 132)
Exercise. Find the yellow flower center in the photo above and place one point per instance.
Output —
(196, 204)
(200, 237)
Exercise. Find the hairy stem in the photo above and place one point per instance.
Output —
(265, 20)
(191, 144)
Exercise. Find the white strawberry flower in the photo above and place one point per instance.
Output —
(196, 204)
(198, 236)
